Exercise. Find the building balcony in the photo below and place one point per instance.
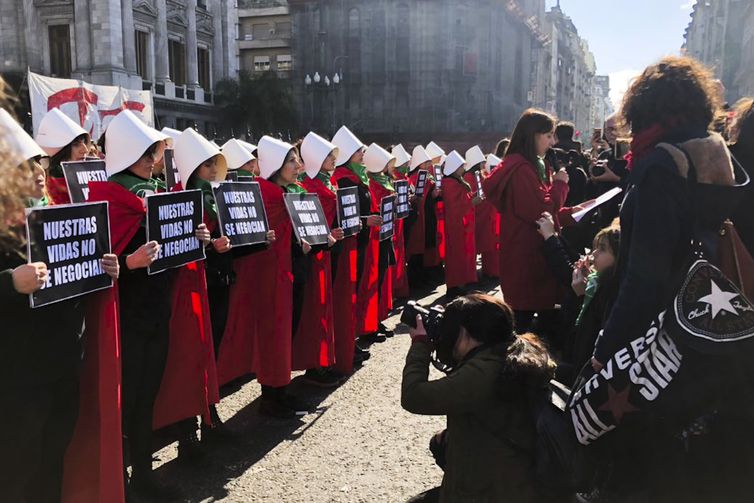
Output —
(181, 93)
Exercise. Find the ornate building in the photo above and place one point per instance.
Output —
(178, 49)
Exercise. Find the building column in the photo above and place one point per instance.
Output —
(82, 36)
(129, 44)
(192, 68)
(162, 63)
(218, 54)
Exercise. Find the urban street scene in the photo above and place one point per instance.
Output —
(400, 251)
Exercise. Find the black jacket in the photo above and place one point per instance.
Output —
(657, 221)
(37, 346)
(743, 218)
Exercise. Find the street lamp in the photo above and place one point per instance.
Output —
(316, 78)
(308, 80)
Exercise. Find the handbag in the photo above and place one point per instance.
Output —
(675, 368)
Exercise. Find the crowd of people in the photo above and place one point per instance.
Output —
(91, 378)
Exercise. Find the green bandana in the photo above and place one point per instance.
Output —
(542, 170)
(359, 170)
(402, 169)
(243, 172)
(325, 178)
(383, 180)
(592, 283)
(140, 186)
(37, 203)
(210, 207)
(295, 188)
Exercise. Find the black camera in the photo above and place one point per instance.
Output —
(431, 318)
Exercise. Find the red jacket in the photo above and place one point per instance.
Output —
(515, 189)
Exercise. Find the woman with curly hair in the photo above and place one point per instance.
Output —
(670, 108)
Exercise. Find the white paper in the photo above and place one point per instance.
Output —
(590, 205)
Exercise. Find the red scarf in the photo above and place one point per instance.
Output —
(643, 143)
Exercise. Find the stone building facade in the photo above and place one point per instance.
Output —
(449, 70)
(178, 49)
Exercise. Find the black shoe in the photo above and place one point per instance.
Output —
(274, 408)
(383, 330)
(190, 450)
(145, 484)
(321, 378)
(218, 432)
(373, 338)
(299, 407)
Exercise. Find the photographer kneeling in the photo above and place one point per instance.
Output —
(491, 375)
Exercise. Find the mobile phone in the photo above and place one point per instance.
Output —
(622, 146)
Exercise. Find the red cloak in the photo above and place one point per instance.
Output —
(515, 189)
(460, 261)
(343, 286)
(314, 344)
(399, 273)
(93, 469)
(367, 295)
(487, 232)
(386, 291)
(416, 238)
(57, 190)
(271, 306)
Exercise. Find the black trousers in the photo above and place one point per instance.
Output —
(144, 354)
(219, 297)
(36, 426)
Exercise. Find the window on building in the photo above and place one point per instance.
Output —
(284, 62)
(283, 30)
(142, 54)
(261, 63)
(60, 50)
(202, 63)
(177, 62)
(260, 31)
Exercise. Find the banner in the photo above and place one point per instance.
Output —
(91, 106)
(79, 174)
(402, 208)
(421, 182)
(349, 215)
(70, 239)
(308, 218)
(172, 219)
(241, 212)
(387, 211)
(172, 178)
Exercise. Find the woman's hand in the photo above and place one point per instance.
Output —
(144, 256)
(305, 247)
(374, 221)
(561, 176)
(110, 265)
(202, 234)
(338, 234)
(608, 176)
(578, 282)
(411, 198)
(436, 193)
(270, 236)
(331, 241)
(28, 278)
(418, 334)
(546, 225)
(477, 200)
(222, 244)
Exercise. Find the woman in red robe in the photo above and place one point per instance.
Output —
(400, 271)
(486, 216)
(415, 225)
(460, 259)
(522, 188)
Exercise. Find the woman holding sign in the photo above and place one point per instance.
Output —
(351, 172)
(41, 347)
(378, 161)
(145, 300)
(400, 273)
(486, 216)
(416, 228)
(460, 258)
(64, 141)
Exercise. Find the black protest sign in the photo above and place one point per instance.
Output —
(240, 210)
(172, 178)
(480, 190)
(387, 212)
(245, 178)
(79, 174)
(402, 208)
(438, 176)
(172, 219)
(349, 213)
(70, 239)
(231, 176)
(421, 182)
(308, 218)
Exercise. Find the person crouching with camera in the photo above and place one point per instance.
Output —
(490, 374)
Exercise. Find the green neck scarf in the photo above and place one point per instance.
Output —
(208, 197)
(243, 172)
(138, 185)
(592, 283)
(324, 177)
(359, 170)
(541, 170)
(295, 188)
(402, 169)
(383, 180)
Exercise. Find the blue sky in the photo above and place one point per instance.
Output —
(627, 35)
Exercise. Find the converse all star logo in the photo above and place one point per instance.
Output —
(710, 307)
